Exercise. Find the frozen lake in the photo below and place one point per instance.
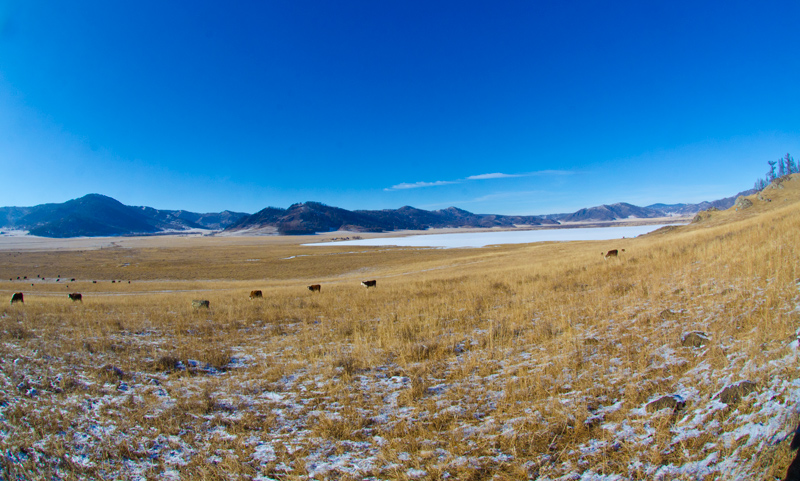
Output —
(482, 239)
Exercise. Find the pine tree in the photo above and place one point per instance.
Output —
(781, 167)
(771, 171)
(791, 166)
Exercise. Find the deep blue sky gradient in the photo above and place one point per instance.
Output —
(207, 106)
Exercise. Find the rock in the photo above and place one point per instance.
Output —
(742, 203)
(735, 392)
(672, 401)
(777, 183)
(703, 215)
(706, 214)
(668, 315)
(695, 339)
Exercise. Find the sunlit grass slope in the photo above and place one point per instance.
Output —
(531, 361)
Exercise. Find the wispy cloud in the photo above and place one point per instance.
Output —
(497, 175)
(417, 185)
(494, 175)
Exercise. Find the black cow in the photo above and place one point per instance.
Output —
(256, 295)
(76, 296)
(368, 284)
(315, 288)
(17, 297)
(197, 304)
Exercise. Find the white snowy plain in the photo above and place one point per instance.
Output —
(483, 239)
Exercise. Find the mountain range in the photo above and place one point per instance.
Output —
(99, 215)
(626, 211)
(312, 217)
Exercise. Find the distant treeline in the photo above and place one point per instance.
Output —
(785, 166)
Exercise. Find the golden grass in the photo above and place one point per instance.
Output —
(496, 363)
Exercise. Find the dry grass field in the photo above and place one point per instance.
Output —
(535, 361)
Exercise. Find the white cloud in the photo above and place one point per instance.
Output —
(495, 175)
(492, 176)
(417, 185)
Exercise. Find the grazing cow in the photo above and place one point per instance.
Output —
(315, 288)
(94, 282)
(255, 295)
(17, 297)
(72, 280)
(76, 296)
(197, 304)
(368, 284)
(612, 253)
(793, 473)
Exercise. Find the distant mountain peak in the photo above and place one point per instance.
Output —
(101, 215)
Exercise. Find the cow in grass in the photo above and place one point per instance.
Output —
(17, 297)
(201, 304)
(75, 297)
(612, 253)
(256, 295)
(315, 288)
(368, 284)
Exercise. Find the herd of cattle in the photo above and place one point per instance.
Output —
(204, 303)
(196, 303)
(19, 297)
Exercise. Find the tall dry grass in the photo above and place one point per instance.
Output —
(501, 354)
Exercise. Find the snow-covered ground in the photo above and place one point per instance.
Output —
(483, 239)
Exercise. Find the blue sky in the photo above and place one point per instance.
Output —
(515, 107)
